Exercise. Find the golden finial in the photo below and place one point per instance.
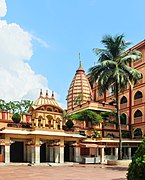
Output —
(80, 60)
(46, 93)
(52, 94)
(40, 92)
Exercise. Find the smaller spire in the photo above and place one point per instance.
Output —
(40, 92)
(52, 95)
(46, 93)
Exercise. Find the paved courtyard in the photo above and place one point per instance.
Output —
(77, 172)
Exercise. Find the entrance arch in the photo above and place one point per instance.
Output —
(17, 152)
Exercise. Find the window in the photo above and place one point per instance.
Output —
(123, 118)
(138, 95)
(123, 100)
(137, 113)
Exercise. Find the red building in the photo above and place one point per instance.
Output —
(132, 109)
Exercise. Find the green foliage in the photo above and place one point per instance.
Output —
(125, 134)
(69, 124)
(16, 118)
(21, 107)
(79, 99)
(88, 115)
(96, 133)
(136, 170)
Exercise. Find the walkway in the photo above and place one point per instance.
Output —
(76, 172)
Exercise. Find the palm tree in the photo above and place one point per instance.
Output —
(114, 70)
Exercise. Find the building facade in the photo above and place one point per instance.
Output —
(42, 136)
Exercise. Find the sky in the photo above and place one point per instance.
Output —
(40, 41)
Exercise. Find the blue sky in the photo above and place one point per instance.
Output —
(62, 28)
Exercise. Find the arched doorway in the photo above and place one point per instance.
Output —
(43, 152)
(17, 152)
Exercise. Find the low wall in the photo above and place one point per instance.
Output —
(119, 162)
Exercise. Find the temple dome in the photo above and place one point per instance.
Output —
(43, 101)
(80, 90)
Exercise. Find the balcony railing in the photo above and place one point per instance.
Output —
(122, 106)
(137, 119)
(137, 101)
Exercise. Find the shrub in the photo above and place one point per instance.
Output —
(16, 118)
(136, 170)
(69, 124)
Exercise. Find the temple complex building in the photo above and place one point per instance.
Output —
(42, 135)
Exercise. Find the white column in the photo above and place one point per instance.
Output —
(37, 154)
(77, 157)
(111, 151)
(32, 153)
(102, 156)
(28, 149)
(25, 152)
(129, 152)
(51, 154)
(116, 153)
(7, 153)
(61, 151)
(56, 154)
(47, 153)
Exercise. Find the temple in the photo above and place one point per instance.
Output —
(42, 135)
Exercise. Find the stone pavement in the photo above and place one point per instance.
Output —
(76, 172)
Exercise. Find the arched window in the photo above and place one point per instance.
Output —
(123, 100)
(123, 118)
(138, 133)
(138, 95)
(137, 113)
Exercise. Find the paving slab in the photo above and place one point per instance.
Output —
(76, 172)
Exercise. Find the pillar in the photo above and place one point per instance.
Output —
(7, 153)
(56, 154)
(37, 151)
(7, 150)
(61, 155)
(102, 155)
(77, 157)
(51, 154)
(32, 153)
(25, 152)
(60, 124)
(54, 124)
(111, 151)
(28, 149)
(129, 152)
(43, 123)
(47, 153)
(116, 153)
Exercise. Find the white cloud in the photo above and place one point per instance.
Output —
(17, 79)
(3, 8)
(41, 41)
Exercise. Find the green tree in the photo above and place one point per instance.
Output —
(136, 170)
(113, 70)
(87, 115)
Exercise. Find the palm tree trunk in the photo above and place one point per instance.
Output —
(119, 124)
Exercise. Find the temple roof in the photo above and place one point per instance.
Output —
(80, 90)
(42, 101)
